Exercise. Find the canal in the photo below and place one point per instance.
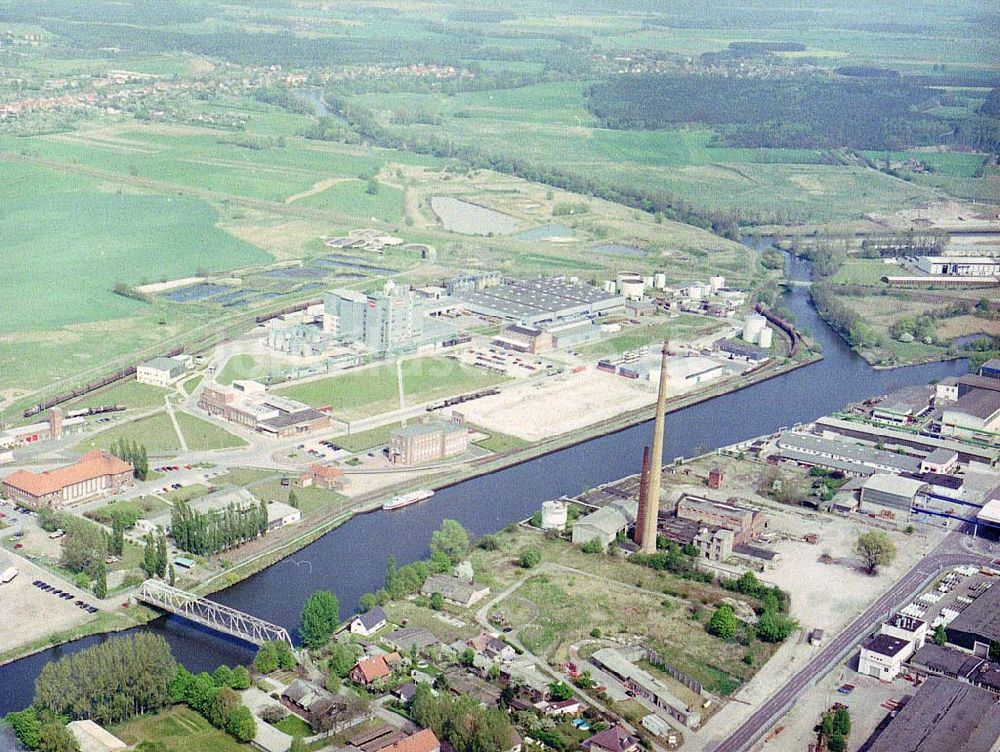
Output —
(352, 559)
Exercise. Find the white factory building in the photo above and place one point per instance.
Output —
(960, 266)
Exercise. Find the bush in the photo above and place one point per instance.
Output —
(531, 557)
(593, 546)
(723, 623)
(241, 724)
(272, 713)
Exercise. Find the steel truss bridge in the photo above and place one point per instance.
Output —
(210, 614)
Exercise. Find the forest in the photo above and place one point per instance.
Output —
(812, 112)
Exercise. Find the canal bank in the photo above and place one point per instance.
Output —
(351, 559)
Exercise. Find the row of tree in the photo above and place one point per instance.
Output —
(214, 697)
(134, 454)
(207, 533)
(110, 682)
(154, 556)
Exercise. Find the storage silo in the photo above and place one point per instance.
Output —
(659, 280)
(753, 326)
(631, 285)
(554, 515)
(717, 283)
(764, 339)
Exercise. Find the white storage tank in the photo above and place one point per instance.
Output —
(648, 281)
(554, 515)
(610, 287)
(764, 340)
(753, 326)
(631, 285)
(659, 280)
(717, 283)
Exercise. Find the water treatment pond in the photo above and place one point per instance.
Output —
(472, 219)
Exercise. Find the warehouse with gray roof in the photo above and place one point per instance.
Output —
(945, 715)
(857, 459)
(536, 301)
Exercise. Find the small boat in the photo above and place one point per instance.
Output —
(404, 500)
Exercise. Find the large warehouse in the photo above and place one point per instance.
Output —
(535, 301)
(95, 473)
(977, 626)
(945, 715)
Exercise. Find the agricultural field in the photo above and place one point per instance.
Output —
(179, 729)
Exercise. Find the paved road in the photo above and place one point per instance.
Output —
(946, 555)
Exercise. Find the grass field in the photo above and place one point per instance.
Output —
(309, 500)
(681, 328)
(426, 379)
(241, 367)
(128, 393)
(352, 198)
(155, 432)
(82, 244)
(179, 729)
(200, 434)
(362, 441)
(500, 442)
(364, 392)
(857, 271)
(141, 506)
(554, 609)
(292, 725)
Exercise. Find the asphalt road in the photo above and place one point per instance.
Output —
(947, 555)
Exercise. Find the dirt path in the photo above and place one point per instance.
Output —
(318, 187)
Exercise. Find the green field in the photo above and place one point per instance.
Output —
(365, 392)
(309, 500)
(427, 379)
(682, 327)
(362, 441)
(130, 394)
(179, 729)
(155, 432)
(856, 271)
(352, 198)
(82, 244)
(241, 367)
(292, 725)
(200, 434)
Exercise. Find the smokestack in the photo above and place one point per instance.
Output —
(643, 480)
(652, 511)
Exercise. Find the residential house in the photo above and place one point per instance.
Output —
(367, 671)
(493, 648)
(454, 590)
(369, 622)
(613, 739)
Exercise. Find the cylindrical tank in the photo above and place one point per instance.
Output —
(648, 281)
(610, 286)
(753, 326)
(764, 340)
(554, 515)
(631, 285)
(717, 283)
(659, 280)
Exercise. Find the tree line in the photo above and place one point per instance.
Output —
(121, 679)
(808, 112)
(206, 533)
(134, 454)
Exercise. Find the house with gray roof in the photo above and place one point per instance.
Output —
(606, 523)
